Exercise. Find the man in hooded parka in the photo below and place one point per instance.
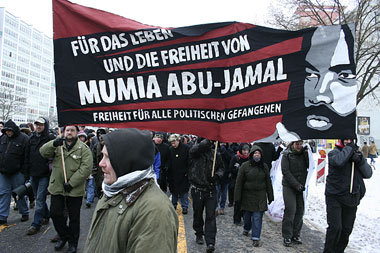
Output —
(12, 169)
(133, 215)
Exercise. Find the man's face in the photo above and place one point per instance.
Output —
(71, 133)
(109, 173)
(39, 127)
(245, 151)
(330, 79)
(157, 140)
(9, 133)
(175, 144)
(298, 145)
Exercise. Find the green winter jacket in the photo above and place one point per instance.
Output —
(294, 166)
(148, 224)
(78, 163)
(253, 187)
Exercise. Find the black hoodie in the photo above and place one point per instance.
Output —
(12, 150)
(129, 150)
(36, 165)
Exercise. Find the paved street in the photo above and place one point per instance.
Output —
(229, 236)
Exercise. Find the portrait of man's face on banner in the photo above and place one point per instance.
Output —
(328, 88)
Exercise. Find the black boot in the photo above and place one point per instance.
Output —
(60, 244)
(72, 248)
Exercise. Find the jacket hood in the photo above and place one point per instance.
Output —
(10, 125)
(129, 150)
(254, 148)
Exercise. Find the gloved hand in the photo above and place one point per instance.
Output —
(353, 146)
(67, 187)
(300, 188)
(357, 157)
(58, 142)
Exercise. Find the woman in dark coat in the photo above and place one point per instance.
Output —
(178, 168)
(253, 189)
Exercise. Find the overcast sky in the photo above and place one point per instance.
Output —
(165, 13)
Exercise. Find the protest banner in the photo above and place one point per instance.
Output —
(230, 81)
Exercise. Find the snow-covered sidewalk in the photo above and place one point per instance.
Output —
(366, 234)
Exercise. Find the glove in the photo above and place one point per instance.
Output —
(58, 142)
(357, 157)
(353, 146)
(300, 188)
(67, 187)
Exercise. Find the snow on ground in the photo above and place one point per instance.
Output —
(366, 234)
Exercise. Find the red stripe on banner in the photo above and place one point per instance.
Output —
(283, 48)
(224, 31)
(273, 93)
(71, 20)
(227, 132)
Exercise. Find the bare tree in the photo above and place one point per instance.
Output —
(8, 103)
(365, 15)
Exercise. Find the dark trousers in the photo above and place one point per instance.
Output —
(202, 200)
(293, 212)
(162, 181)
(238, 214)
(231, 188)
(58, 203)
(340, 220)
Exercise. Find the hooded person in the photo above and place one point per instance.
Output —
(133, 215)
(254, 190)
(12, 169)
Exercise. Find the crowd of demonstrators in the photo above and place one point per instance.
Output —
(254, 190)
(67, 189)
(203, 178)
(98, 162)
(344, 189)
(178, 169)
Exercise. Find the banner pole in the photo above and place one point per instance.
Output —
(213, 162)
(352, 177)
(62, 158)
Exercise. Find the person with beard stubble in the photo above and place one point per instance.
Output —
(78, 164)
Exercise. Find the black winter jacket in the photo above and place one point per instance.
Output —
(36, 165)
(164, 154)
(294, 167)
(12, 150)
(200, 171)
(178, 168)
(340, 168)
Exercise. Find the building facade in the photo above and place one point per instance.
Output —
(26, 70)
